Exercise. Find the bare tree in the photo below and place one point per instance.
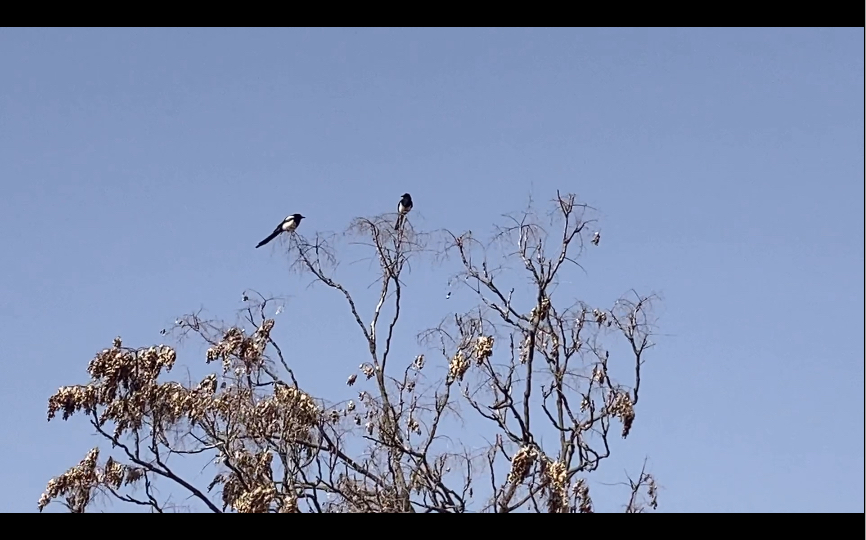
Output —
(529, 365)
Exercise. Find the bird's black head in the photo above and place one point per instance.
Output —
(297, 218)
(406, 198)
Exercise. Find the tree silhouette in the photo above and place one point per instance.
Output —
(526, 363)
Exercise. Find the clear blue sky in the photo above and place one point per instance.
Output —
(140, 167)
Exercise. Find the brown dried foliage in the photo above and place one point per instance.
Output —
(528, 366)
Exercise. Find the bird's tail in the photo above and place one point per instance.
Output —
(268, 239)
(399, 222)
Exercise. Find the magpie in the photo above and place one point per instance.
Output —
(403, 208)
(288, 225)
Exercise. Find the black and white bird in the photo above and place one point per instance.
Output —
(288, 225)
(403, 208)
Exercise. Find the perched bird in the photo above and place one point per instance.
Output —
(288, 225)
(403, 208)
